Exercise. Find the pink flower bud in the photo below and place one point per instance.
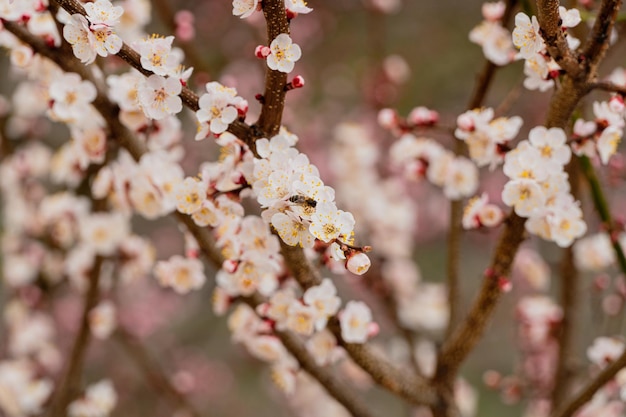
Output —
(262, 51)
(422, 116)
(505, 284)
(242, 107)
(602, 282)
(616, 103)
(185, 32)
(192, 253)
(298, 81)
(493, 12)
(230, 266)
(492, 379)
(183, 17)
(358, 263)
(388, 118)
(465, 122)
(291, 14)
(372, 329)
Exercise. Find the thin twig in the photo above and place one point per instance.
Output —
(603, 209)
(68, 386)
(152, 371)
(608, 86)
(587, 393)
(570, 303)
(598, 41)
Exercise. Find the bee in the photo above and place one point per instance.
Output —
(303, 200)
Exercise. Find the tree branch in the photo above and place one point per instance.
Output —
(189, 98)
(339, 391)
(152, 371)
(591, 388)
(274, 97)
(570, 303)
(598, 41)
(556, 44)
(413, 389)
(68, 386)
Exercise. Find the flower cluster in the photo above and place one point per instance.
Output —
(540, 69)
(538, 186)
(423, 157)
(492, 36)
(94, 34)
(99, 400)
(602, 136)
(219, 107)
(487, 139)
(297, 203)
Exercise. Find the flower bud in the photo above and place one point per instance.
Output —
(230, 265)
(358, 263)
(388, 119)
(262, 51)
(616, 103)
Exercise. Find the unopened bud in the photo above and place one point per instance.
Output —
(616, 103)
(230, 265)
(358, 264)
(262, 51)
(505, 284)
(465, 122)
(422, 116)
(388, 118)
(372, 329)
(298, 81)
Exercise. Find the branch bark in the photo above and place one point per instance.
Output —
(68, 386)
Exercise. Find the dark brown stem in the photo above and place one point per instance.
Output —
(587, 393)
(556, 44)
(275, 81)
(464, 338)
(570, 283)
(68, 386)
(608, 86)
(598, 41)
(151, 369)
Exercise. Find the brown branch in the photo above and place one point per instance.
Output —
(189, 98)
(68, 386)
(152, 371)
(335, 388)
(483, 82)
(556, 44)
(591, 388)
(413, 389)
(465, 337)
(275, 81)
(570, 303)
(608, 86)
(598, 41)
(129, 141)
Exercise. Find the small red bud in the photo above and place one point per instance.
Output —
(262, 51)
(298, 81)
